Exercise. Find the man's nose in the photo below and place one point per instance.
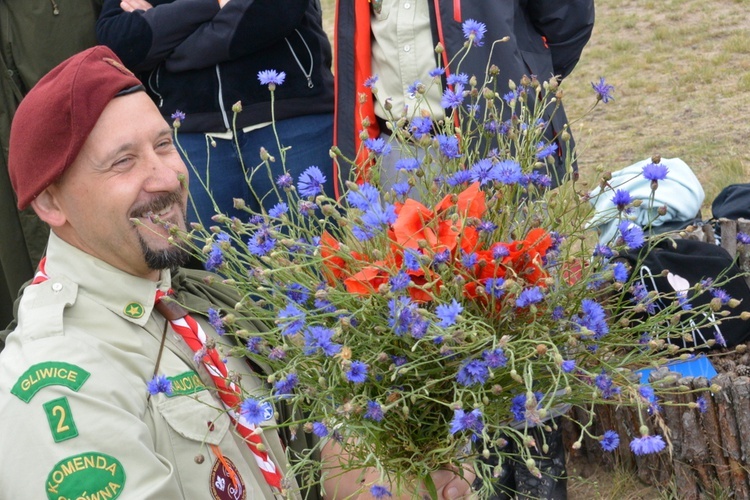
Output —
(163, 173)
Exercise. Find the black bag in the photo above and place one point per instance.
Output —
(733, 202)
(695, 261)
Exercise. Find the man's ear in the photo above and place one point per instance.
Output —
(48, 209)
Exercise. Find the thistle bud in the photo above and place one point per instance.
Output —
(494, 70)
(238, 203)
(237, 107)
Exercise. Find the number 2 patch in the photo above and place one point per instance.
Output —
(60, 419)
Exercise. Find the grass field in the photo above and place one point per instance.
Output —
(681, 71)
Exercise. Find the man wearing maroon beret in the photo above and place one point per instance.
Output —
(112, 389)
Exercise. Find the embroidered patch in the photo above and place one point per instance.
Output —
(60, 419)
(134, 310)
(186, 383)
(88, 475)
(223, 487)
(50, 373)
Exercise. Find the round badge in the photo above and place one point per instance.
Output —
(134, 310)
(222, 487)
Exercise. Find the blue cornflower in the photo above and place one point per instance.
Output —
(310, 182)
(448, 313)
(420, 126)
(261, 242)
(401, 189)
(307, 208)
(319, 337)
(568, 365)
(495, 358)
(458, 78)
(399, 281)
(364, 197)
(622, 199)
(486, 226)
(471, 421)
(223, 237)
(473, 372)
(320, 429)
(609, 441)
(411, 260)
(620, 272)
(500, 251)
(378, 218)
(593, 318)
(441, 257)
(494, 287)
(472, 109)
(655, 171)
(469, 260)
(509, 97)
(483, 171)
(453, 98)
(363, 233)
(377, 146)
(603, 251)
(412, 89)
(647, 393)
(379, 491)
(297, 293)
(545, 150)
(448, 145)
(603, 90)
(374, 411)
(722, 295)
(702, 404)
(605, 384)
(407, 164)
(458, 178)
(402, 314)
(371, 81)
(436, 72)
(254, 410)
(178, 115)
(357, 372)
(277, 353)
(271, 77)
(284, 181)
(529, 296)
(557, 313)
(474, 31)
(160, 383)
(253, 344)
(418, 327)
(540, 180)
(215, 258)
(278, 210)
(647, 444)
(518, 405)
(291, 319)
(743, 238)
(286, 385)
(509, 172)
(214, 319)
(632, 234)
(641, 296)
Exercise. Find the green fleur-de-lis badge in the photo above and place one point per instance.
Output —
(134, 310)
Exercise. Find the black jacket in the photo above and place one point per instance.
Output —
(546, 39)
(200, 59)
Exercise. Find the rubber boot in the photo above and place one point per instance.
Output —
(553, 484)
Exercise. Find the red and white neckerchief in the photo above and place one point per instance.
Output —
(195, 338)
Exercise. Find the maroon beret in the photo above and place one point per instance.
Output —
(57, 115)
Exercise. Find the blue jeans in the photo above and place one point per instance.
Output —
(217, 175)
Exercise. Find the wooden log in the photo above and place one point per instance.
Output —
(729, 236)
(730, 435)
(710, 424)
(695, 452)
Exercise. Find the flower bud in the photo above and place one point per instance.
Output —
(237, 106)
(662, 210)
(733, 303)
(439, 49)
(656, 158)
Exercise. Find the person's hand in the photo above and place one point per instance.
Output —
(133, 5)
(222, 3)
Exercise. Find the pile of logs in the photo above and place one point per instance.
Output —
(709, 450)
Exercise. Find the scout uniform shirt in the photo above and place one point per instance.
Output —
(78, 421)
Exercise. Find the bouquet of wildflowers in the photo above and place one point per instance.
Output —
(423, 324)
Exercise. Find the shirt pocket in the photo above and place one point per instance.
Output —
(195, 418)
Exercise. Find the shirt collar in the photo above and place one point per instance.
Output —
(130, 297)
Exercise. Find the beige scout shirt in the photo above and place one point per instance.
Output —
(403, 53)
(77, 418)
